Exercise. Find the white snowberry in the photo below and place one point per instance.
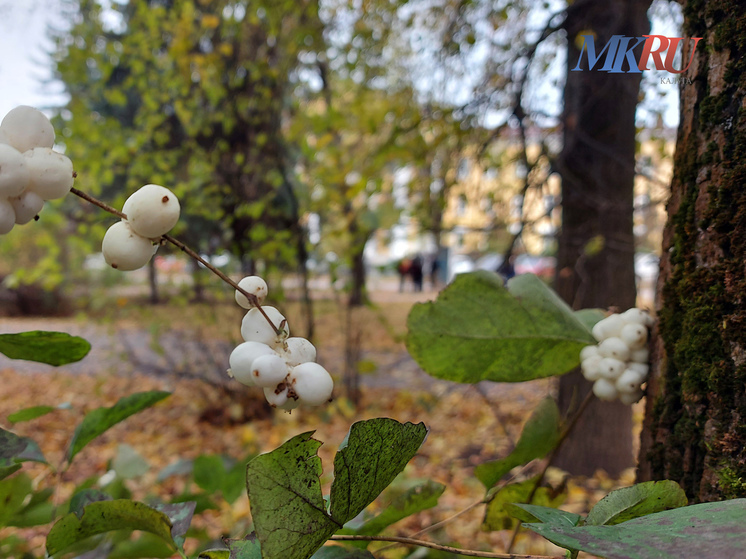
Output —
(124, 249)
(26, 128)
(634, 335)
(299, 350)
(277, 396)
(604, 389)
(26, 206)
(50, 173)
(611, 368)
(639, 355)
(629, 398)
(640, 368)
(152, 211)
(614, 347)
(629, 381)
(242, 358)
(14, 172)
(255, 328)
(312, 383)
(254, 285)
(591, 367)
(7, 216)
(588, 351)
(610, 326)
(269, 370)
(638, 316)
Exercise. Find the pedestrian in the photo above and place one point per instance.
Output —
(403, 268)
(415, 270)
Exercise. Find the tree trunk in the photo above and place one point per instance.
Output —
(595, 265)
(696, 406)
(153, 282)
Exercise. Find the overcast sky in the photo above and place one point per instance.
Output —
(24, 62)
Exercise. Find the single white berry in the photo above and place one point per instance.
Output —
(629, 398)
(629, 381)
(26, 128)
(152, 211)
(604, 389)
(277, 396)
(255, 328)
(611, 368)
(588, 351)
(312, 383)
(608, 327)
(638, 316)
(591, 367)
(634, 335)
(299, 350)
(26, 206)
(254, 285)
(124, 249)
(641, 368)
(50, 173)
(614, 347)
(14, 172)
(242, 358)
(7, 216)
(269, 370)
(639, 355)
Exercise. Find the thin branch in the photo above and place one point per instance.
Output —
(446, 548)
(563, 436)
(250, 296)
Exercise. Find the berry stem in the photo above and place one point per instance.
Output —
(192, 254)
(446, 548)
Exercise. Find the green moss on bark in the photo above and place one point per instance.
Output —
(699, 416)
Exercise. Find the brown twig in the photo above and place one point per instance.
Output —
(565, 433)
(446, 548)
(192, 254)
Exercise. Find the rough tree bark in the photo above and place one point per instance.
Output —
(595, 265)
(695, 425)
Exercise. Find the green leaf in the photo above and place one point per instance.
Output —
(100, 420)
(105, 516)
(479, 330)
(288, 509)
(216, 473)
(180, 515)
(704, 531)
(14, 450)
(13, 493)
(217, 554)
(52, 348)
(589, 317)
(83, 498)
(247, 548)
(500, 515)
(538, 438)
(339, 552)
(418, 498)
(375, 452)
(533, 513)
(128, 463)
(632, 502)
(27, 414)
(147, 545)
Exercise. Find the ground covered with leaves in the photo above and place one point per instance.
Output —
(468, 425)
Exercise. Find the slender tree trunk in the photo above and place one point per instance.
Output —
(198, 281)
(153, 282)
(696, 406)
(596, 246)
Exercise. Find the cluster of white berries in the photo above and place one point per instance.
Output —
(30, 171)
(284, 367)
(618, 365)
(151, 213)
